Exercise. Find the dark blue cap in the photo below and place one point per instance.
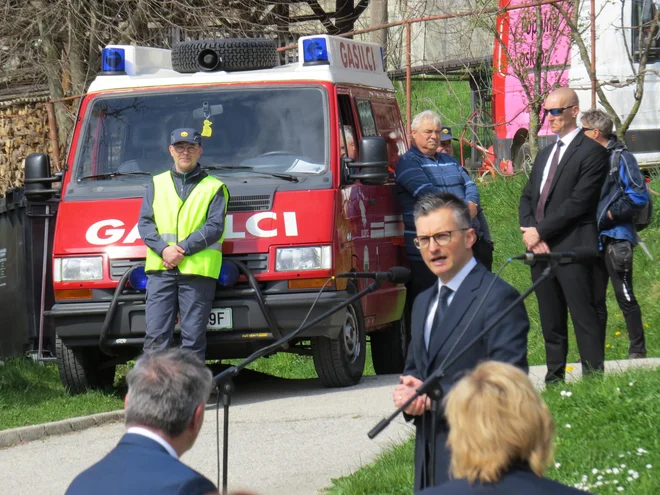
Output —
(445, 134)
(186, 136)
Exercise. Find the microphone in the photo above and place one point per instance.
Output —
(396, 275)
(578, 255)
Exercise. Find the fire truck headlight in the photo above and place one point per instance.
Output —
(78, 269)
(303, 258)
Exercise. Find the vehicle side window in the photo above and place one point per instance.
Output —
(366, 116)
(347, 136)
(643, 18)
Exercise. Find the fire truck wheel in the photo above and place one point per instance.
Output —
(389, 347)
(80, 370)
(340, 362)
(231, 54)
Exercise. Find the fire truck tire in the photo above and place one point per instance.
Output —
(389, 347)
(79, 368)
(234, 54)
(340, 362)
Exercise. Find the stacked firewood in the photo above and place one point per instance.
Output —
(23, 130)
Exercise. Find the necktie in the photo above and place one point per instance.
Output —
(540, 206)
(443, 302)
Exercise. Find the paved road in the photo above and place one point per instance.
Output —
(286, 437)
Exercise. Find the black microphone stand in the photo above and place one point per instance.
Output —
(224, 380)
(431, 386)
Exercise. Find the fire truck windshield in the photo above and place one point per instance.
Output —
(252, 133)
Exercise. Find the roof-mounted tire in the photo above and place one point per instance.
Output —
(233, 54)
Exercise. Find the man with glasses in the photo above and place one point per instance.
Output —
(623, 195)
(422, 170)
(182, 222)
(558, 213)
(444, 238)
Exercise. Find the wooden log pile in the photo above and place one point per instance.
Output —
(23, 130)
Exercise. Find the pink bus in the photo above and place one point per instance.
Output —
(617, 56)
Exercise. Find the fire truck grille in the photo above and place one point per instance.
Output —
(256, 202)
(257, 263)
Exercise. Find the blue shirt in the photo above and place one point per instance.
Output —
(418, 174)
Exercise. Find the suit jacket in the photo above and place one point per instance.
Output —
(570, 210)
(506, 342)
(139, 466)
(518, 481)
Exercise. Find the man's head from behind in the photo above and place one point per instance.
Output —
(561, 109)
(426, 129)
(597, 125)
(444, 236)
(167, 392)
(185, 148)
(497, 419)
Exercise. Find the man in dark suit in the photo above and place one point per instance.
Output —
(440, 313)
(167, 393)
(558, 213)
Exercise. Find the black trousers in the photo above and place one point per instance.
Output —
(570, 289)
(617, 265)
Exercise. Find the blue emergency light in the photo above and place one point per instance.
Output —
(138, 278)
(315, 52)
(228, 274)
(113, 60)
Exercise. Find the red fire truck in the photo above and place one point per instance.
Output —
(301, 210)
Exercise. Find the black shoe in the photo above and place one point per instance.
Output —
(637, 355)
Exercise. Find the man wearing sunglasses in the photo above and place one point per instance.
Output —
(558, 213)
(440, 314)
(182, 222)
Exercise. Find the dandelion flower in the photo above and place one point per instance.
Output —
(594, 471)
(557, 465)
(617, 315)
(568, 425)
(617, 334)
(569, 368)
(630, 384)
(607, 346)
(568, 394)
(649, 466)
(646, 325)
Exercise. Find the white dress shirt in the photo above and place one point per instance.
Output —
(453, 284)
(566, 140)
(153, 436)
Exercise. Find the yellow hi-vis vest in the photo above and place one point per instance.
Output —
(176, 220)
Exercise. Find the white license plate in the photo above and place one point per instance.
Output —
(220, 318)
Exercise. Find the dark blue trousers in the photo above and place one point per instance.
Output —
(170, 293)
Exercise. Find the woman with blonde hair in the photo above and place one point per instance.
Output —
(500, 435)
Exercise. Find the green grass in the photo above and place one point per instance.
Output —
(609, 418)
(31, 393)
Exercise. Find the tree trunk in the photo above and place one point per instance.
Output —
(51, 47)
(378, 15)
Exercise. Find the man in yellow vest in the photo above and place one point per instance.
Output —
(182, 222)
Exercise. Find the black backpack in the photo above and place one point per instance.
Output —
(642, 218)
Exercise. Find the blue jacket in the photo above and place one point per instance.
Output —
(417, 174)
(140, 466)
(623, 194)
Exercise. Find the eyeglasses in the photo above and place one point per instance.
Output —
(190, 149)
(557, 111)
(441, 239)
